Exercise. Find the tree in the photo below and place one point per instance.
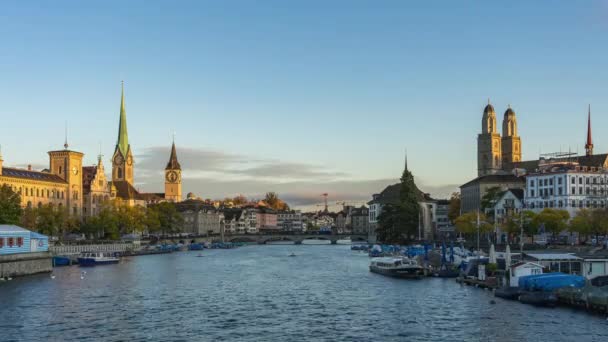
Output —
(398, 222)
(171, 221)
(274, 202)
(582, 223)
(49, 220)
(10, 206)
(554, 221)
(490, 197)
(467, 223)
(239, 200)
(28, 218)
(454, 210)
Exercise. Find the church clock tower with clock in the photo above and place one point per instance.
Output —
(173, 178)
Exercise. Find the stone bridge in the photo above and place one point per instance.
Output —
(295, 238)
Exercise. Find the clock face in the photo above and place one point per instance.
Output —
(118, 160)
(172, 176)
(75, 170)
(130, 161)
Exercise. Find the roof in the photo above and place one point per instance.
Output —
(495, 178)
(35, 175)
(509, 111)
(553, 256)
(126, 191)
(391, 194)
(173, 164)
(10, 228)
(488, 109)
(595, 160)
(151, 196)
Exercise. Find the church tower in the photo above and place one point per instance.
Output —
(173, 178)
(511, 142)
(589, 143)
(68, 166)
(488, 144)
(122, 160)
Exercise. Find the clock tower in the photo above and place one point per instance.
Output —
(68, 166)
(173, 178)
(122, 160)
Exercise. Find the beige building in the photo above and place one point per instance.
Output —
(96, 188)
(472, 192)
(60, 185)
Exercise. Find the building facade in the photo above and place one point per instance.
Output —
(360, 220)
(201, 218)
(290, 221)
(472, 192)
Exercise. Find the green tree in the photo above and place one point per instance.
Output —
(490, 197)
(553, 220)
(49, 220)
(467, 224)
(454, 209)
(171, 221)
(582, 224)
(28, 218)
(10, 206)
(398, 222)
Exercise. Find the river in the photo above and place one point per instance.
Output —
(259, 293)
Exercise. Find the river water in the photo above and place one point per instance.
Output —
(259, 293)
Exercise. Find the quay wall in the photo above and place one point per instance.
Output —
(21, 264)
(77, 249)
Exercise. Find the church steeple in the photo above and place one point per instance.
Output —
(123, 137)
(589, 144)
(173, 164)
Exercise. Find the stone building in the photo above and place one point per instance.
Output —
(200, 218)
(289, 221)
(96, 188)
(59, 185)
(360, 220)
(495, 154)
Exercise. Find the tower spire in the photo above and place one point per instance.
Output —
(65, 144)
(589, 144)
(405, 159)
(123, 137)
(173, 164)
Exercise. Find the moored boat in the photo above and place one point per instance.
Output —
(398, 267)
(539, 298)
(511, 293)
(97, 258)
(61, 261)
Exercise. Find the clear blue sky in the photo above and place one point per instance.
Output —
(343, 86)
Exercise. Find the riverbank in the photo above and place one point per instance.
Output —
(23, 264)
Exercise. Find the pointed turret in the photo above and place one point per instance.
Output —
(123, 137)
(589, 144)
(405, 159)
(173, 164)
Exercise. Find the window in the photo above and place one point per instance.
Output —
(1, 242)
(551, 192)
(580, 191)
(11, 241)
(119, 173)
(19, 241)
(580, 180)
(573, 190)
(559, 181)
(551, 181)
(586, 180)
(559, 191)
(60, 170)
(532, 183)
(573, 180)
(532, 193)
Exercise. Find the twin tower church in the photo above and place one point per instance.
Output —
(84, 189)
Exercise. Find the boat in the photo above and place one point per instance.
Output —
(539, 298)
(346, 241)
(398, 267)
(292, 255)
(196, 247)
(61, 261)
(97, 258)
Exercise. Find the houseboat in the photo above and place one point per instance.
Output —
(398, 267)
(97, 258)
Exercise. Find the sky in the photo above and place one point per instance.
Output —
(299, 97)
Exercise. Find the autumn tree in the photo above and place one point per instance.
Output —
(454, 209)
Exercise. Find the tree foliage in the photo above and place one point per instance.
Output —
(467, 223)
(554, 221)
(454, 209)
(10, 206)
(274, 202)
(490, 197)
(398, 222)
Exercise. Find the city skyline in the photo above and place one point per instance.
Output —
(322, 113)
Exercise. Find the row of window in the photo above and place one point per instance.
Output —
(11, 242)
(560, 192)
(566, 204)
(588, 180)
(37, 192)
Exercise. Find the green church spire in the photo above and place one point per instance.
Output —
(123, 136)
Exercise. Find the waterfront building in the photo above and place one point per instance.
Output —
(340, 221)
(360, 220)
(509, 204)
(60, 185)
(14, 240)
(444, 227)
(200, 218)
(266, 219)
(472, 192)
(566, 185)
(96, 188)
(522, 269)
(233, 222)
(290, 221)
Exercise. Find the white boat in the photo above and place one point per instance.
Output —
(97, 258)
(346, 241)
(398, 267)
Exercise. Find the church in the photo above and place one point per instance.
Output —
(499, 158)
(83, 189)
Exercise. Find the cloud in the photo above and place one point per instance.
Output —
(218, 174)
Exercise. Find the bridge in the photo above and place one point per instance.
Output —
(295, 238)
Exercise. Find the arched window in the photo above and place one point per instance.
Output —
(39, 205)
(119, 173)
(37, 192)
(29, 204)
(60, 170)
